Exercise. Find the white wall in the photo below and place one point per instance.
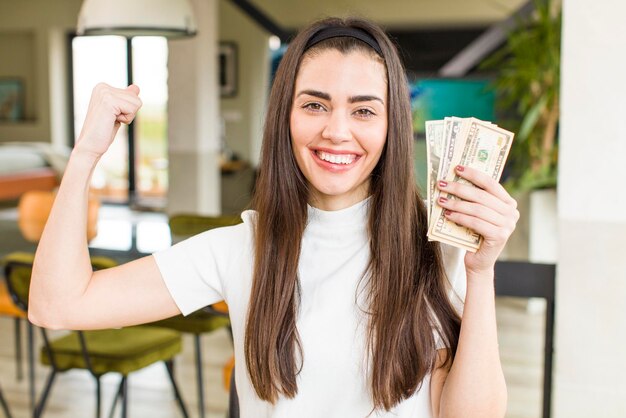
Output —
(193, 123)
(590, 365)
(40, 26)
(243, 114)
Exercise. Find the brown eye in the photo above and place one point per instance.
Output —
(314, 107)
(364, 113)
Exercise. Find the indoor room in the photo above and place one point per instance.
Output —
(194, 150)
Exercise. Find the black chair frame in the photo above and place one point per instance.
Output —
(122, 392)
(198, 360)
(4, 405)
(533, 280)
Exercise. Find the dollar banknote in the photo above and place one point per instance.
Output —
(472, 143)
(454, 129)
(434, 147)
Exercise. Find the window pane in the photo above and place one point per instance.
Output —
(102, 59)
(150, 74)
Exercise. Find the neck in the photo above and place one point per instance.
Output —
(327, 202)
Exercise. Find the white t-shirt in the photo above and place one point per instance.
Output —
(217, 265)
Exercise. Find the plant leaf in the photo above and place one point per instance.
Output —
(531, 117)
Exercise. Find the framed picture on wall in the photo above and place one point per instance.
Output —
(11, 99)
(227, 69)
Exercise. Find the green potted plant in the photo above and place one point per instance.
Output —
(527, 87)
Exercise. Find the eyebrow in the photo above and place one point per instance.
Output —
(351, 99)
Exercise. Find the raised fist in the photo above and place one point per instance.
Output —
(109, 107)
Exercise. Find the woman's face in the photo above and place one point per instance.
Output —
(339, 125)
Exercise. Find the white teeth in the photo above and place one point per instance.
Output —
(336, 159)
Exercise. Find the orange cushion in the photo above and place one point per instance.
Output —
(227, 371)
(34, 208)
(220, 307)
(7, 307)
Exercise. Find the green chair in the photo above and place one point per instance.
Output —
(183, 226)
(8, 309)
(120, 351)
(205, 320)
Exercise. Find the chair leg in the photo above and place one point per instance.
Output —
(98, 396)
(118, 394)
(18, 349)
(44, 396)
(125, 397)
(31, 366)
(199, 378)
(169, 365)
(5, 406)
(233, 399)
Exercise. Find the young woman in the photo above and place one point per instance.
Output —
(340, 306)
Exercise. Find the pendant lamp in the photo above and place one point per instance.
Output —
(169, 18)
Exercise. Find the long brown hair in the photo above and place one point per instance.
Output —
(406, 288)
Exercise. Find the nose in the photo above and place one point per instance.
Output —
(337, 128)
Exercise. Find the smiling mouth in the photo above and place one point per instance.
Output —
(343, 159)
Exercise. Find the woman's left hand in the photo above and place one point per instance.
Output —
(487, 209)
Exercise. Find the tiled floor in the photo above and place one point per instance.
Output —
(520, 328)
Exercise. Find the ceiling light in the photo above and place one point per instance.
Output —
(274, 42)
(169, 18)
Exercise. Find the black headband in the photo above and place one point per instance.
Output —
(340, 31)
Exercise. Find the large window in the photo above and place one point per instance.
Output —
(117, 61)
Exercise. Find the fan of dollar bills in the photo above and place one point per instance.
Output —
(468, 142)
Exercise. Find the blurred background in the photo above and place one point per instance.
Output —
(549, 70)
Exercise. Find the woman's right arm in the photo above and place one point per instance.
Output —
(65, 293)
